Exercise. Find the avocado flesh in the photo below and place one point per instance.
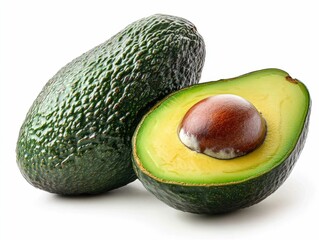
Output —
(282, 103)
(76, 137)
(195, 182)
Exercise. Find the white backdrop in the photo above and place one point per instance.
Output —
(37, 38)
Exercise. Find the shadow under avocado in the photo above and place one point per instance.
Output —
(130, 191)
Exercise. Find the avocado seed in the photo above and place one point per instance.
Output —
(224, 126)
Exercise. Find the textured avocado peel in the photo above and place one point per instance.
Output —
(219, 197)
(76, 138)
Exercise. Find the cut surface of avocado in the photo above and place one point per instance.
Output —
(282, 101)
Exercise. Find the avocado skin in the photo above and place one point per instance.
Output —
(76, 138)
(217, 199)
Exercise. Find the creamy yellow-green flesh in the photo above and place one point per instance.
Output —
(283, 104)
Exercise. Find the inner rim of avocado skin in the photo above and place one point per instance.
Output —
(282, 103)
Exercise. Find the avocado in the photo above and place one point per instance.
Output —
(76, 137)
(195, 182)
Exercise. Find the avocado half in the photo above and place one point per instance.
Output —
(197, 183)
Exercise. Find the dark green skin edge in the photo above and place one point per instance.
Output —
(224, 198)
(76, 138)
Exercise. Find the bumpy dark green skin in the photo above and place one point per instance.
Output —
(223, 198)
(76, 137)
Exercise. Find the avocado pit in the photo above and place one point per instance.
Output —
(223, 126)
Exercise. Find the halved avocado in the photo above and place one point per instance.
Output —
(198, 183)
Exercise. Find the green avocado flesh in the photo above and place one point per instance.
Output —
(163, 162)
(76, 137)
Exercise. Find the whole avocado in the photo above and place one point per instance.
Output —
(76, 138)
